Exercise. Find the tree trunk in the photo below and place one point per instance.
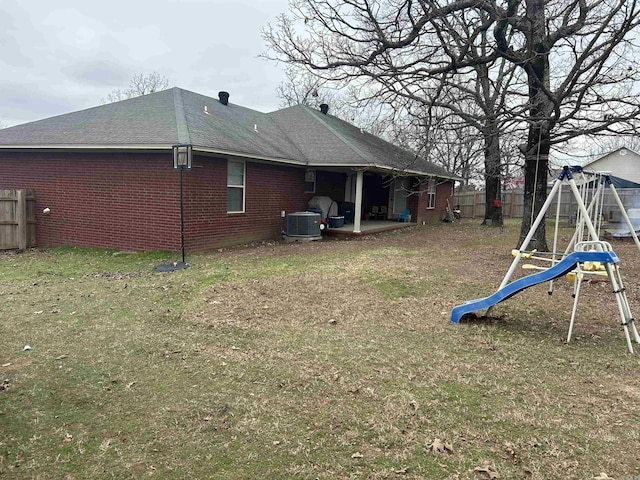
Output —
(493, 184)
(535, 194)
(535, 178)
(536, 150)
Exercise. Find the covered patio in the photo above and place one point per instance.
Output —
(368, 227)
(376, 198)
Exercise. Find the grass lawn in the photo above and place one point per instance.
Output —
(327, 360)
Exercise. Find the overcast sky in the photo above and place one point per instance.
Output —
(61, 56)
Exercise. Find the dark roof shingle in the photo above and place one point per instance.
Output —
(328, 140)
(146, 120)
(296, 134)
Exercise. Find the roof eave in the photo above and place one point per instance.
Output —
(79, 147)
(225, 153)
(385, 168)
(265, 158)
(149, 147)
(408, 171)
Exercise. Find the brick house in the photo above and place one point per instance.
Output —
(106, 173)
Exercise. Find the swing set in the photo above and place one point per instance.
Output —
(586, 255)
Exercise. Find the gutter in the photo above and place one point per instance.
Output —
(145, 148)
(225, 153)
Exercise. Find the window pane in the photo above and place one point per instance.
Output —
(235, 173)
(234, 199)
(309, 187)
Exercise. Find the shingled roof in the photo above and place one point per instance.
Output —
(298, 135)
(326, 140)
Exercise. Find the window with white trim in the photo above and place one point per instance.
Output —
(235, 186)
(431, 193)
(310, 181)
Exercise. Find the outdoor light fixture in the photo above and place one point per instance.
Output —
(182, 159)
(182, 156)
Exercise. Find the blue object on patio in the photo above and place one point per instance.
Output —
(404, 216)
(336, 222)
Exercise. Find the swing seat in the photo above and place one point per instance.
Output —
(514, 253)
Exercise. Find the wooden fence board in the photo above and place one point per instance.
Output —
(472, 204)
(17, 219)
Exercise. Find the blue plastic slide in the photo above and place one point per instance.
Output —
(567, 264)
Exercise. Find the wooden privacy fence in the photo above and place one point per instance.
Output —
(17, 219)
(472, 204)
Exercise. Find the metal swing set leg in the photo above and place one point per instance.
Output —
(618, 289)
(612, 270)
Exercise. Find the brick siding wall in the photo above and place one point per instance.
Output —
(130, 201)
(269, 190)
(418, 203)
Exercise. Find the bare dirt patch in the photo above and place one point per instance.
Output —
(15, 365)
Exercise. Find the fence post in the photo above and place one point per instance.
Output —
(21, 214)
(473, 205)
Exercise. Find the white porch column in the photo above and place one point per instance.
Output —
(358, 213)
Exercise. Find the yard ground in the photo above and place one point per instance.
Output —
(328, 360)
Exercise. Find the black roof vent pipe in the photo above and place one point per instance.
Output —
(324, 108)
(224, 97)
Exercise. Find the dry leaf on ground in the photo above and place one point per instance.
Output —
(603, 476)
(439, 446)
(488, 470)
(510, 450)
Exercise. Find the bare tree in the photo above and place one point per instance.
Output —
(609, 144)
(307, 88)
(446, 141)
(458, 148)
(141, 84)
(302, 87)
(574, 57)
(443, 138)
(447, 133)
(475, 94)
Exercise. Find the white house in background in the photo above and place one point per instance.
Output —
(622, 163)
